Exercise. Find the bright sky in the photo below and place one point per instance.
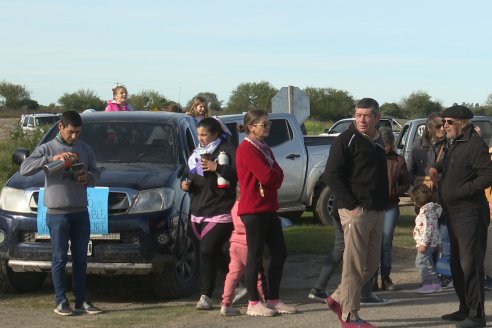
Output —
(381, 49)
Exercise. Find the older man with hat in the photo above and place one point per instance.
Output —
(465, 171)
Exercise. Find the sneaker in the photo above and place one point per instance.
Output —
(359, 323)
(334, 306)
(318, 295)
(387, 284)
(205, 303)
(488, 283)
(281, 308)
(239, 293)
(446, 282)
(373, 300)
(87, 307)
(229, 311)
(455, 316)
(63, 308)
(260, 310)
(471, 322)
(429, 289)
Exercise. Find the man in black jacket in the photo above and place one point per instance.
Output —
(356, 172)
(466, 170)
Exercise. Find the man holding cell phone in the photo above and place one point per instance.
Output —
(67, 216)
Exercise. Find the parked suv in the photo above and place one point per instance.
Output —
(142, 156)
(32, 122)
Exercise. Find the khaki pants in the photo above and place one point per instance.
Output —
(362, 235)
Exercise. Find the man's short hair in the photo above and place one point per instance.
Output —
(72, 118)
(368, 103)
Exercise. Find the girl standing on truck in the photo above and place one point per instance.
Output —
(260, 177)
(199, 109)
(119, 102)
(210, 203)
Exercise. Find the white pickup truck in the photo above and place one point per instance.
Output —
(302, 158)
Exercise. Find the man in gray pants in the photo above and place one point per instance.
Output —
(356, 172)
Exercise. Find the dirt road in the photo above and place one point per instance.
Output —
(128, 303)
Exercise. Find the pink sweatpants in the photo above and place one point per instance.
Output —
(237, 266)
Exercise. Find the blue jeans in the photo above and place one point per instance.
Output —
(76, 228)
(445, 242)
(424, 262)
(391, 216)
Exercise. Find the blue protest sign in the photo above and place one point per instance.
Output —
(97, 199)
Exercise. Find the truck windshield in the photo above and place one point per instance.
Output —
(48, 120)
(129, 142)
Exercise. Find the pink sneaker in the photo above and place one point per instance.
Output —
(281, 308)
(334, 306)
(428, 289)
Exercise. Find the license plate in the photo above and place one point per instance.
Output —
(89, 248)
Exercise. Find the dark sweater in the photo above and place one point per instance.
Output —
(206, 199)
(466, 172)
(356, 171)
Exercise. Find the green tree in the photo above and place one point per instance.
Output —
(147, 100)
(330, 103)
(13, 95)
(391, 110)
(81, 100)
(247, 96)
(214, 104)
(419, 104)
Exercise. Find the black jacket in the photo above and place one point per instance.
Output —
(466, 171)
(206, 199)
(356, 171)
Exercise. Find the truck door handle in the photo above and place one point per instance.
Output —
(293, 156)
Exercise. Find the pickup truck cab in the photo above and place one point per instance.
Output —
(302, 158)
(342, 125)
(142, 156)
(413, 130)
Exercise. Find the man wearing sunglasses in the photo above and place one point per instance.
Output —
(465, 172)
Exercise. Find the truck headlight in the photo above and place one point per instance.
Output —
(153, 200)
(14, 200)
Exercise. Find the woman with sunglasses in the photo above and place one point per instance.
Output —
(425, 154)
(260, 177)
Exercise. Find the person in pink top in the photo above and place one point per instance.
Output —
(119, 102)
(238, 252)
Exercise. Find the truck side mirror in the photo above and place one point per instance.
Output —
(19, 155)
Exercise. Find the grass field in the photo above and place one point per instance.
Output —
(309, 237)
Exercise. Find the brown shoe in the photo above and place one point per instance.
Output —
(387, 284)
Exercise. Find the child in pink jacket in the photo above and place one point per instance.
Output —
(238, 252)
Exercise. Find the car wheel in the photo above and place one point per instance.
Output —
(21, 282)
(179, 278)
(325, 205)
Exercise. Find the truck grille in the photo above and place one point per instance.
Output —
(118, 202)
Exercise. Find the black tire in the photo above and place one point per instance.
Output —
(19, 282)
(324, 206)
(180, 278)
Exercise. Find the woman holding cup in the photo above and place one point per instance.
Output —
(210, 203)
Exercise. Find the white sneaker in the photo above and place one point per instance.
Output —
(205, 303)
(259, 309)
(282, 308)
(229, 311)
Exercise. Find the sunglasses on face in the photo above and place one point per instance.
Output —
(439, 125)
(449, 122)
